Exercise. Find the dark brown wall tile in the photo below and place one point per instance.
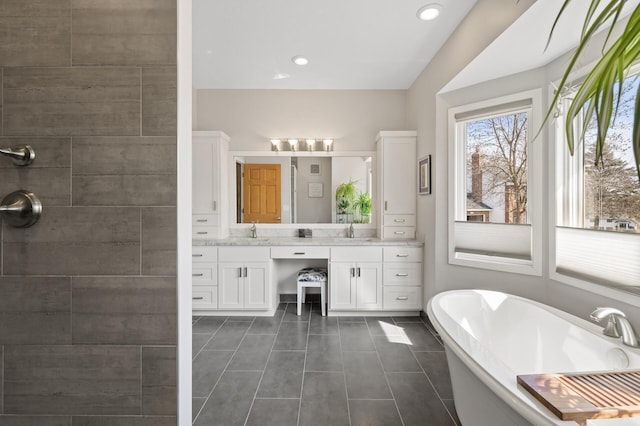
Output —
(159, 235)
(124, 190)
(52, 186)
(72, 379)
(124, 33)
(14, 420)
(120, 310)
(72, 101)
(35, 33)
(124, 421)
(159, 380)
(35, 311)
(159, 101)
(76, 241)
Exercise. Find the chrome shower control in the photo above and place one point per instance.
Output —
(22, 155)
(21, 209)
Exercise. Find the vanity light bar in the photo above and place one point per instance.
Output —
(301, 144)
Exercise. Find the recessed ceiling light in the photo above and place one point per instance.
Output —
(300, 60)
(429, 12)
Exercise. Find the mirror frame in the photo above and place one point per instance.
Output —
(232, 184)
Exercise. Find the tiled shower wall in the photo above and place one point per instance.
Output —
(88, 295)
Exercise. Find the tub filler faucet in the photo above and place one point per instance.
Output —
(617, 325)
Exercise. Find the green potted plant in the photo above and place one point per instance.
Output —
(363, 206)
(345, 201)
(596, 94)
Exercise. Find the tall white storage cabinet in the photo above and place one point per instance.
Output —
(397, 180)
(210, 184)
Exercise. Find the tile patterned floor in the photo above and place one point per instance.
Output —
(313, 370)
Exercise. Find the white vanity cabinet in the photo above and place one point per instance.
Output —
(204, 279)
(397, 180)
(210, 186)
(244, 278)
(355, 278)
(402, 278)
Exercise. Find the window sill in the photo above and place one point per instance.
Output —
(495, 263)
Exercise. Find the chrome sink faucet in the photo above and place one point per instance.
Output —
(352, 232)
(254, 231)
(617, 325)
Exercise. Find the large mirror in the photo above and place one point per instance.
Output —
(302, 189)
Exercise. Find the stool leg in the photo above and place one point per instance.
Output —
(299, 300)
(323, 301)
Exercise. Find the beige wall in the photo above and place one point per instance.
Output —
(351, 117)
(88, 294)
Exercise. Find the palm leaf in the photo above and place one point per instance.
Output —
(636, 131)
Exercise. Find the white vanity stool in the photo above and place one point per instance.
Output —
(312, 277)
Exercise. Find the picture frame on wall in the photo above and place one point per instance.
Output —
(424, 175)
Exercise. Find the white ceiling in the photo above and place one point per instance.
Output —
(350, 44)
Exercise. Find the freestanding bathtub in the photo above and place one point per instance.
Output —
(491, 337)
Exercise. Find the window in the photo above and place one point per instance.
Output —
(495, 211)
(598, 207)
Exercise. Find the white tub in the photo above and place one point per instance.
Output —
(492, 337)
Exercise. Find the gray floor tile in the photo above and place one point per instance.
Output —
(400, 320)
(364, 376)
(323, 325)
(421, 338)
(283, 375)
(417, 400)
(208, 324)
(196, 405)
(197, 343)
(395, 354)
(323, 353)
(354, 336)
(449, 403)
(274, 412)
(342, 320)
(324, 400)
(266, 325)
(381, 326)
(240, 319)
(228, 337)
(252, 353)
(291, 313)
(207, 368)
(380, 412)
(437, 369)
(231, 400)
(292, 336)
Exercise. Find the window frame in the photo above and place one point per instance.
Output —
(457, 184)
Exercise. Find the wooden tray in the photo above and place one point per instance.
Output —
(583, 396)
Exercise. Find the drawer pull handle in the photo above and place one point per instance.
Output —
(402, 255)
(299, 253)
(202, 220)
(399, 232)
(399, 220)
(197, 298)
(402, 275)
(197, 275)
(402, 298)
(205, 233)
(197, 255)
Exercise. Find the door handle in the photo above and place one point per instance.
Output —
(402, 275)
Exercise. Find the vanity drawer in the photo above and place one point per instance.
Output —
(402, 274)
(204, 232)
(205, 297)
(204, 274)
(302, 252)
(399, 220)
(356, 254)
(204, 220)
(402, 254)
(204, 254)
(399, 298)
(243, 254)
(399, 232)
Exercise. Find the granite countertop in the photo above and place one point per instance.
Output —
(314, 241)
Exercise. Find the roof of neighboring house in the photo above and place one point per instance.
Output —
(474, 205)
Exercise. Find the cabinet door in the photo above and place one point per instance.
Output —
(256, 286)
(369, 286)
(399, 183)
(343, 286)
(230, 286)
(204, 179)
